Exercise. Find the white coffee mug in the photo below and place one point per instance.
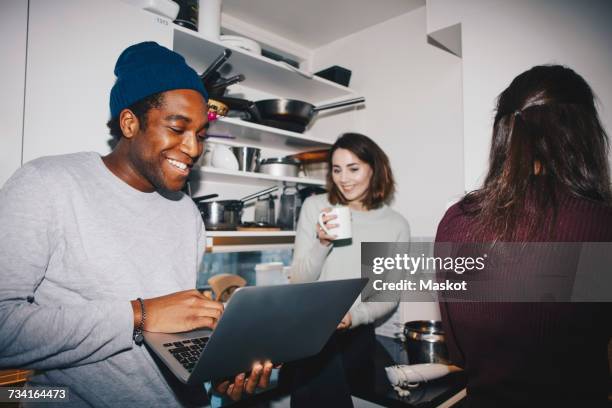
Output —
(343, 220)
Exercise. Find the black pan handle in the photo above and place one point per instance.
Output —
(242, 105)
(205, 197)
(216, 64)
(227, 82)
(339, 104)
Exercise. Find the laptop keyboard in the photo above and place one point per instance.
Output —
(187, 352)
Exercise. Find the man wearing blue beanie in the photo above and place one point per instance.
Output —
(94, 250)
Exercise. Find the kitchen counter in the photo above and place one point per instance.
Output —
(443, 392)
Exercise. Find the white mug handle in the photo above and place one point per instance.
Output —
(321, 224)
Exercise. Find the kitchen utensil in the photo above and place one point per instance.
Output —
(265, 211)
(222, 157)
(216, 64)
(424, 342)
(259, 194)
(279, 166)
(342, 220)
(219, 87)
(314, 156)
(204, 197)
(226, 214)
(287, 114)
(242, 43)
(315, 170)
(222, 215)
(188, 14)
(248, 157)
(289, 208)
(293, 115)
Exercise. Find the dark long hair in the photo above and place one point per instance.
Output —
(382, 184)
(547, 118)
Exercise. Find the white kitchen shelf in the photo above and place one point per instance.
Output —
(261, 73)
(256, 135)
(217, 175)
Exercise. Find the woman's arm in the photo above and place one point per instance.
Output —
(369, 312)
(308, 254)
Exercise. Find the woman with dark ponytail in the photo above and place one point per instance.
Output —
(548, 181)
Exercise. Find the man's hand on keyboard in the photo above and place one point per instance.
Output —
(178, 312)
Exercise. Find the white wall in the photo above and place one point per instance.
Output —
(72, 49)
(413, 111)
(13, 31)
(501, 39)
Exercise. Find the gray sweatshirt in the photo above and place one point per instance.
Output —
(313, 261)
(76, 245)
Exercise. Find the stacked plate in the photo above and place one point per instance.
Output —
(241, 43)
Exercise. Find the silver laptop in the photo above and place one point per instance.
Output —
(279, 323)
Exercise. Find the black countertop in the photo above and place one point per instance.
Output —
(388, 352)
(431, 394)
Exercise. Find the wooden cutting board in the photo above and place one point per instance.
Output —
(258, 229)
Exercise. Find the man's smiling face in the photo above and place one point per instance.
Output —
(161, 155)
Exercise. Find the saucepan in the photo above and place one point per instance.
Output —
(287, 114)
(424, 342)
(225, 214)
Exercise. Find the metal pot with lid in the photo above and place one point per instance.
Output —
(424, 341)
(280, 166)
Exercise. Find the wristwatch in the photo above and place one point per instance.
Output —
(138, 336)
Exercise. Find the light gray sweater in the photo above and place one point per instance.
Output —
(76, 245)
(313, 261)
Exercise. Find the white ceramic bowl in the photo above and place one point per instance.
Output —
(223, 158)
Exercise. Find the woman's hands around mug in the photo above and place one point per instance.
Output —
(325, 238)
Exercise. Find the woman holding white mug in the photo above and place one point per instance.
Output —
(330, 230)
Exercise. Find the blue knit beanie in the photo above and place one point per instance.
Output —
(147, 68)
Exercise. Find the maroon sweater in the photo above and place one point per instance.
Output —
(533, 354)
